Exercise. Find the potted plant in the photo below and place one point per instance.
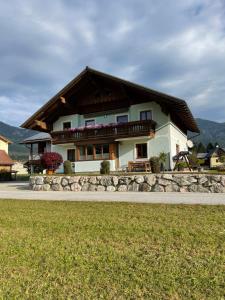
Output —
(155, 164)
(162, 160)
(51, 161)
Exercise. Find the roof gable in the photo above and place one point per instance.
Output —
(97, 88)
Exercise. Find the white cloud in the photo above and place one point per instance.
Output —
(178, 48)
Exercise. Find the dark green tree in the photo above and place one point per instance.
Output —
(209, 147)
(201, 148)
(216, 144)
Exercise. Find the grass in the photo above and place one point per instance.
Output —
(68, 250)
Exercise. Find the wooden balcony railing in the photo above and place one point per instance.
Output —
(109, 132)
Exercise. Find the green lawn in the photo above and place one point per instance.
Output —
(68, 250)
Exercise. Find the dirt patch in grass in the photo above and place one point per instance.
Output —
(63, 250)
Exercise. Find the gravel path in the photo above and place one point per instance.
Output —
(20, 190)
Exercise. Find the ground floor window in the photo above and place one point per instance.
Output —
(93, 152)
(71, 155)
(141, 150)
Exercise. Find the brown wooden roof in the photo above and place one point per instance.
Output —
(5, 160)
(93, 91)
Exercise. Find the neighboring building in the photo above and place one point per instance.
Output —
(212, 158)
(215, 157)
(6, 162)
(38, 144)
(101, 117)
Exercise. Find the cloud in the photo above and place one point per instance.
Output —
(177, 47)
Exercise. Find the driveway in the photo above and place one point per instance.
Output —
(20, 190)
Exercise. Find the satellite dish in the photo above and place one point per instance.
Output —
(190, 144)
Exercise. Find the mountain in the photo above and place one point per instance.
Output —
(16, 135)
(211, 131)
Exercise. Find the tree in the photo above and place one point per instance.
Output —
(201, 148)
(209, 147)
(216, 144)
(51, 160)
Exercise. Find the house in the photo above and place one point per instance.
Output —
(101, 117)
(6, 162)
(215, 157)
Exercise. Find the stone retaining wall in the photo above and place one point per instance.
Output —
(144, 183)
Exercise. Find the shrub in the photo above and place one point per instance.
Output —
(155, 164)
(221, 168)
(51, 160)
(181, 165)
(193, 160)
(162, 160)
(222, 159)
(67, 167)
(5, 175)
(105, 167)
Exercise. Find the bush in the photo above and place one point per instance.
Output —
(105, 167)
(4, 175)
(155, 164)
(51, 160)
(181, 166)
(67, 167)
(221, 168)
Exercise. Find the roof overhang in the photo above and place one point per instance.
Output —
(4, 139)
(177, 106)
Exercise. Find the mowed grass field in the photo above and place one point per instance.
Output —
(69, 250)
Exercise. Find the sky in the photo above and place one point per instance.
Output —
(174, 46)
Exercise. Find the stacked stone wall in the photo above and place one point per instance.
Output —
(202, 183)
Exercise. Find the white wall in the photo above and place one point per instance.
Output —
(165, 140)
(4, 146)
(177, 137)
(80, 166)
(133, 115)
(92, 166)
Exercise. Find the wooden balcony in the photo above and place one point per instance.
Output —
(105, 133)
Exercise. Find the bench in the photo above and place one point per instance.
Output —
(138, 166)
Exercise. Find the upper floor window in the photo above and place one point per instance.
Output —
(122, 119)
(89, 123)
(66, 125)
(146, 115)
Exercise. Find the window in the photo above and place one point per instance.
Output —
(41, 147)
(141, 151)
(98, 151)
(177, 148)
(92, 152)
(122, 119)
(146, 115)
(89, 123)
(82, 152)
(89, 152)
(105, 151)
(66, 125)
(71, 155)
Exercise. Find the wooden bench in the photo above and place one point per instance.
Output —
(138, 166)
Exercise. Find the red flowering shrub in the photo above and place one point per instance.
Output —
(51, 160)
